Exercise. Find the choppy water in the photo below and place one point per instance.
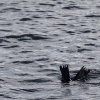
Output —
(36, 36)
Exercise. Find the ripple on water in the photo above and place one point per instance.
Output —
(94, 74)
(83, 50)
(86, 31)
(23, 62)
(2, 80)
(39, 99)
(22, 74)
(92, 38)
(92, 16)
(1, 4)
(29, 90)
(71, 7)
(4, 40)
(26, 37)
(11, 9)
(14, 46)
(94, 78)
(27, 51)
(38, 80)
(42, 59)
(6, 96)
(91, 58)
(90, 44)
(47, 4)
(25, 19)
(5, 30)
(36, 16)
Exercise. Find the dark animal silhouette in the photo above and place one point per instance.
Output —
(81, 75)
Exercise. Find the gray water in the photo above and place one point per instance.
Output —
(37, 36)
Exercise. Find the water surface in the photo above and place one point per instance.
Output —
(36, 37)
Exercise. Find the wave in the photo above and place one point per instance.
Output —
(26, 37)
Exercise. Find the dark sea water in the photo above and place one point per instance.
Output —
(37, 36)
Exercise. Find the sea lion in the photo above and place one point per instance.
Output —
(81, 75)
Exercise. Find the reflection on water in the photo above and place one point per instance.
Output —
(36, 37)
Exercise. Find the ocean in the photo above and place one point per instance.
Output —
(37, 36)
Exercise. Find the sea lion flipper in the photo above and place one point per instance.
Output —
(82, 74)
(65, 73)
